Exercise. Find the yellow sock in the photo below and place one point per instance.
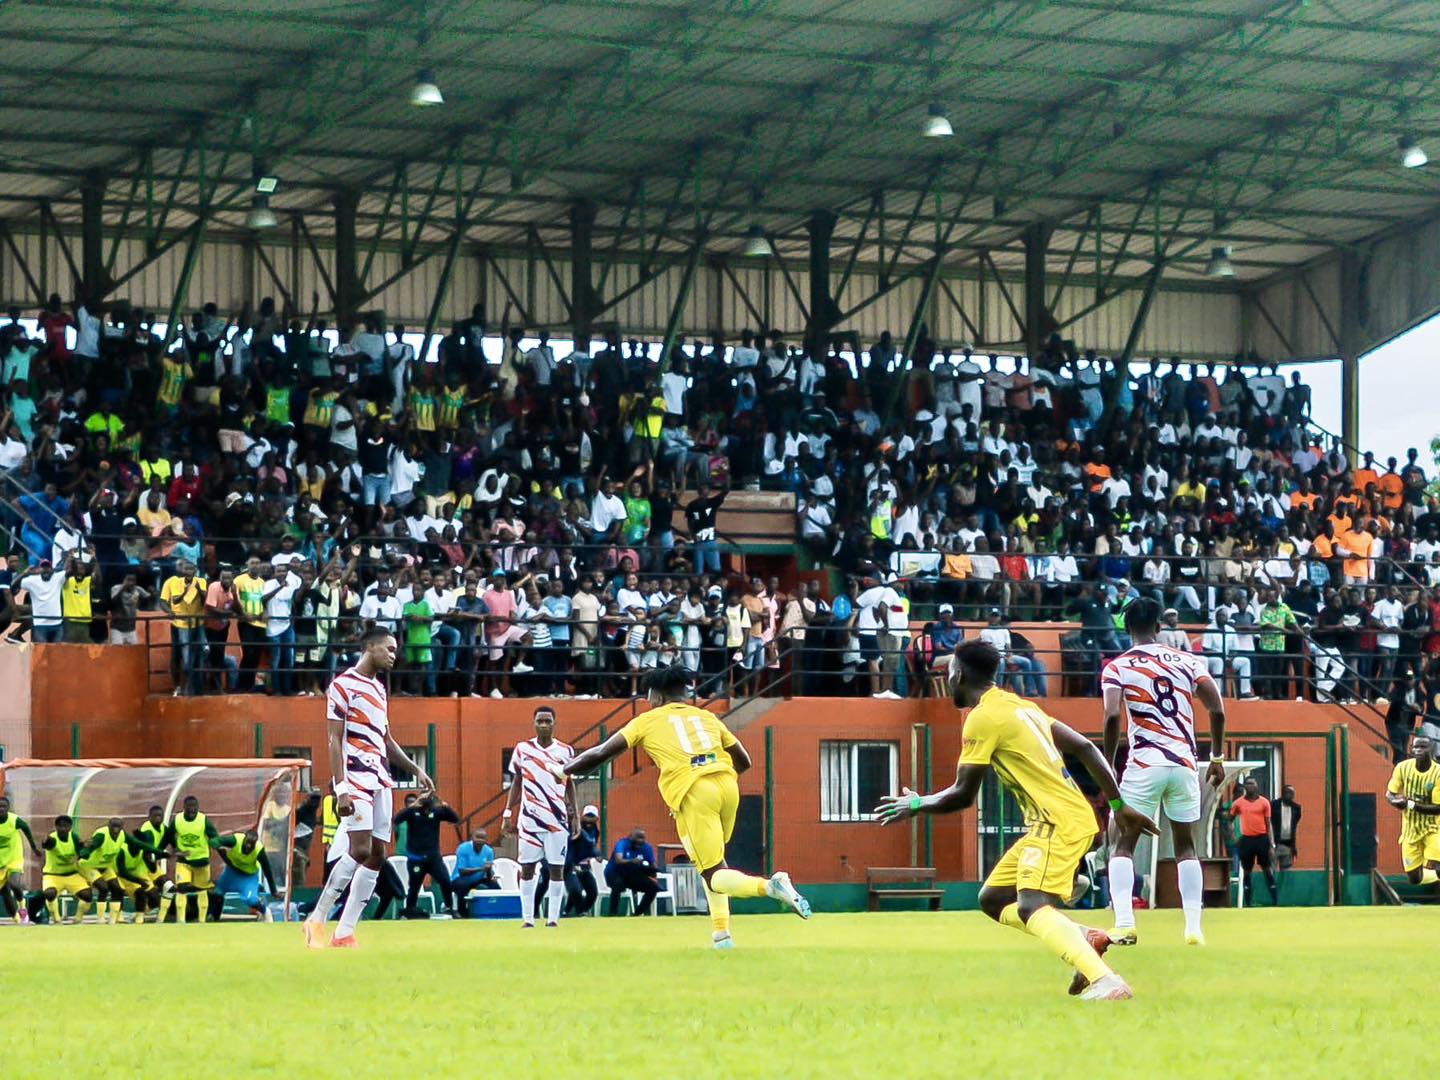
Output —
(1428, 876)
(116, 907)
(734, 883)
(165, 904)
(1010, 916)
(53, 907)
(1067, 941)
(202, 900)
(719, 910)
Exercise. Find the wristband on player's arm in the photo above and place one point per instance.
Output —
(915, 804)
(1116, 803)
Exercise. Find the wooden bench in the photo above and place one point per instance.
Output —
(903, 883)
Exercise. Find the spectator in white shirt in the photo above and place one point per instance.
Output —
(1223, 653)
(1028, 676)
(1170, 633)
(1388, 611)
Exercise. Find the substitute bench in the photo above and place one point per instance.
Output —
(903, 883)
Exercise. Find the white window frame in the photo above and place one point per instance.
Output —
(1270, 756)
(421, 757)
(839, 777)
(302, 753)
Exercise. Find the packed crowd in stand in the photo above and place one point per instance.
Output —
(537, 523)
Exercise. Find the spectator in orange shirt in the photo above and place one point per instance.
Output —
(1303, 496)
(1392, 486)
(1256, 839)
(1096, 471)
(1365, 475)
(1355, 547)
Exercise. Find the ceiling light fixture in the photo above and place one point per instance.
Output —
(1220, 265)
(260, 215)
(756, 244)
(426, 91)
(265, 181)
(1412, 156)
(936, 125)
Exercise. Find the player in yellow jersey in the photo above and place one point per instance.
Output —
(1026, 749)
(12, 859)
(134, 876)
(1412, 791)
(62, 874)
(98, 866)
(699, 761)
(192, 835)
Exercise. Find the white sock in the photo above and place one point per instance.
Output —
(1192, 888)
(340, 875)
(1122, 887)
(527, 898)
(361, 889)
(556, 897)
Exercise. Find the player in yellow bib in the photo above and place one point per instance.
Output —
(192, 836)
(1412, 791)
(1026, 749)
(98, 866)
(699, 760)
(62, 874)
(134, 875)
(12, 858)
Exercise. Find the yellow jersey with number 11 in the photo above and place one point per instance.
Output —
(685, 742)
(1013, 737)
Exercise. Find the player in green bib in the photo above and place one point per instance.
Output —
(192, 836)
(12, 859)
(245, 864)
(62, 875)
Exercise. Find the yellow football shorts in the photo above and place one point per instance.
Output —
(198, 876)
(1042, 860)
(130, 888)
(1423, 849)
(14, 866)
(706, 818)
(74, 884)
(93, 874)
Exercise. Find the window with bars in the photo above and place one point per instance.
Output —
(854, 776)
(420, 757)
(303, 753)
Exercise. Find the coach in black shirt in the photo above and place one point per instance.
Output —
(422, 848)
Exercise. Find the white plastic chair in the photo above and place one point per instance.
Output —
(667, 892)
(602, 887)
(450, 865)
(507, 872)
(425, 899)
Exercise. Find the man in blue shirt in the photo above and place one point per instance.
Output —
(554, 661)
(632, 867)
(474, 869)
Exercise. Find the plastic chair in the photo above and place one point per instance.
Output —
(667, 892)
(425, 899)
(602, 887)
(507, 872)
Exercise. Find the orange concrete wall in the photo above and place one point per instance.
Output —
(103, 691)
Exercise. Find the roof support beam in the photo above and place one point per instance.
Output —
(1038, 321)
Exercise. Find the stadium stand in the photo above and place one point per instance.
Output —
(532, 523)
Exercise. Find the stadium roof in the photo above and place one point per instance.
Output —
(1179, 125)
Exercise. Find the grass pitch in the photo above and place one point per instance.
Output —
(1288, 993)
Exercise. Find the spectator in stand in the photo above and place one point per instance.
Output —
(182, 597)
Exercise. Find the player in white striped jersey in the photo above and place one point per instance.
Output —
(1158, 686)
(362, 754)
(541, 810)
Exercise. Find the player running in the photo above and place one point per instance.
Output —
(699, 760)
(1159, 686)
(1412, 791)
(547, 816)
(362, 753)
(12, 859)
(1025, 747)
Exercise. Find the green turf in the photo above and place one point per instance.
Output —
(1287, 993)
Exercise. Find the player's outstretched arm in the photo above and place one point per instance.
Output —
(1209, 695)
(1069, 741)
(739, 756)
(24, 827)
(592, 759)
(957, 796)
